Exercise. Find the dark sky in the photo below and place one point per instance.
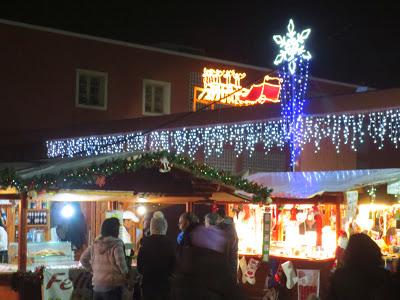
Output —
(350, 42)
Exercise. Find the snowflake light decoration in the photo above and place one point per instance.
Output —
(292, 46)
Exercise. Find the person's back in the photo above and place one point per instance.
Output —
(106, 260)
(156, 260)
(364, 284)
(108, 270)
(362, 276)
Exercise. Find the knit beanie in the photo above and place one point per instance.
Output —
(158, 223)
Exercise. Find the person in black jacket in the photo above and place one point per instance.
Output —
(156, 260)
(362, 275)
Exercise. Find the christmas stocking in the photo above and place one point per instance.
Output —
(291, 278)
(243, 268)
(252, 267)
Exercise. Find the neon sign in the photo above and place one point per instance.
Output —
(224, 87)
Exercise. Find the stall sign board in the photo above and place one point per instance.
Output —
(393, 188)
(266, 236)
(66, 284)
(352, 200)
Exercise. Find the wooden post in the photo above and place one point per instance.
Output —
(338, 220)
(189, 207)
(22, 231)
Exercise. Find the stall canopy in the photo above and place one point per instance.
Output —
(123, 177)
(305, 185)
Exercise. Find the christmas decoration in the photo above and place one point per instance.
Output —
(266, 236)
(165, 167)
(293, 60)
(372, 193)
(292, 46)
(308, 284)
(249, 270)
(224, 87)
(87, 176)
(100, 181)
(291, 278)
(340, 130)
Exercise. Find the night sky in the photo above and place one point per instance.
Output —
(350, 42)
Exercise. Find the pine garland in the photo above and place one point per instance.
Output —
(86, 176)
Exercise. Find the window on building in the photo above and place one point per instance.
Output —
(156, 97)
(91, 89)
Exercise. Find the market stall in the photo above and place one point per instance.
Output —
(101, 186)
(308, 212)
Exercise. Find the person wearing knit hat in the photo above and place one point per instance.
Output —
(156, 259)
(158, 224)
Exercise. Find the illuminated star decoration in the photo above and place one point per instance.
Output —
(292, 46)
(293, 61)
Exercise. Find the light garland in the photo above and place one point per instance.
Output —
(340, 130)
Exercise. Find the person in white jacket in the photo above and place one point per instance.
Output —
(128, 217)
(3, 244)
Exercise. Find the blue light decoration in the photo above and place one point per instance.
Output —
(293, 61)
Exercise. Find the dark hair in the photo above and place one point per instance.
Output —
(190, 217)
(362, 252)
(110, 227)
(2, 224)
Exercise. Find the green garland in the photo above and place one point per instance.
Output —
(87, 176)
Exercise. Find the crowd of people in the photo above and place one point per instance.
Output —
(202, 263)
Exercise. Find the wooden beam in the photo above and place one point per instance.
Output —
(22, 231)
(189, 206)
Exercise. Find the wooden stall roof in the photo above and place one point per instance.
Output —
(177, 186)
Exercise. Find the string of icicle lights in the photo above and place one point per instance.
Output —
(340, 130)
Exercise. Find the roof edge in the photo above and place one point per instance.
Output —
(150, 48)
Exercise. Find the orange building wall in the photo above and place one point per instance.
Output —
(327, 158)
(38, 78)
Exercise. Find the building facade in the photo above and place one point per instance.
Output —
(58, 84)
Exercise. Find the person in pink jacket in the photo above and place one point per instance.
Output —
(106, 260)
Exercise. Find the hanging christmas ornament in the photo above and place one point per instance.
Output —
(250, 274)
(165, 165)
(100, 180)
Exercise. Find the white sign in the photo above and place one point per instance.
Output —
(394, 188)
(352, 202)
(67, 284)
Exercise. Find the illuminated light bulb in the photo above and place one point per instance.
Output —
(141, 210)
(67, 211)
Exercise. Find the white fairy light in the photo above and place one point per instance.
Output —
(348, 129)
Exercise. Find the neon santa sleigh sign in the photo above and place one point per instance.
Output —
(224, 87)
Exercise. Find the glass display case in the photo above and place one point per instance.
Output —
(301, 231)
(44, 254)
